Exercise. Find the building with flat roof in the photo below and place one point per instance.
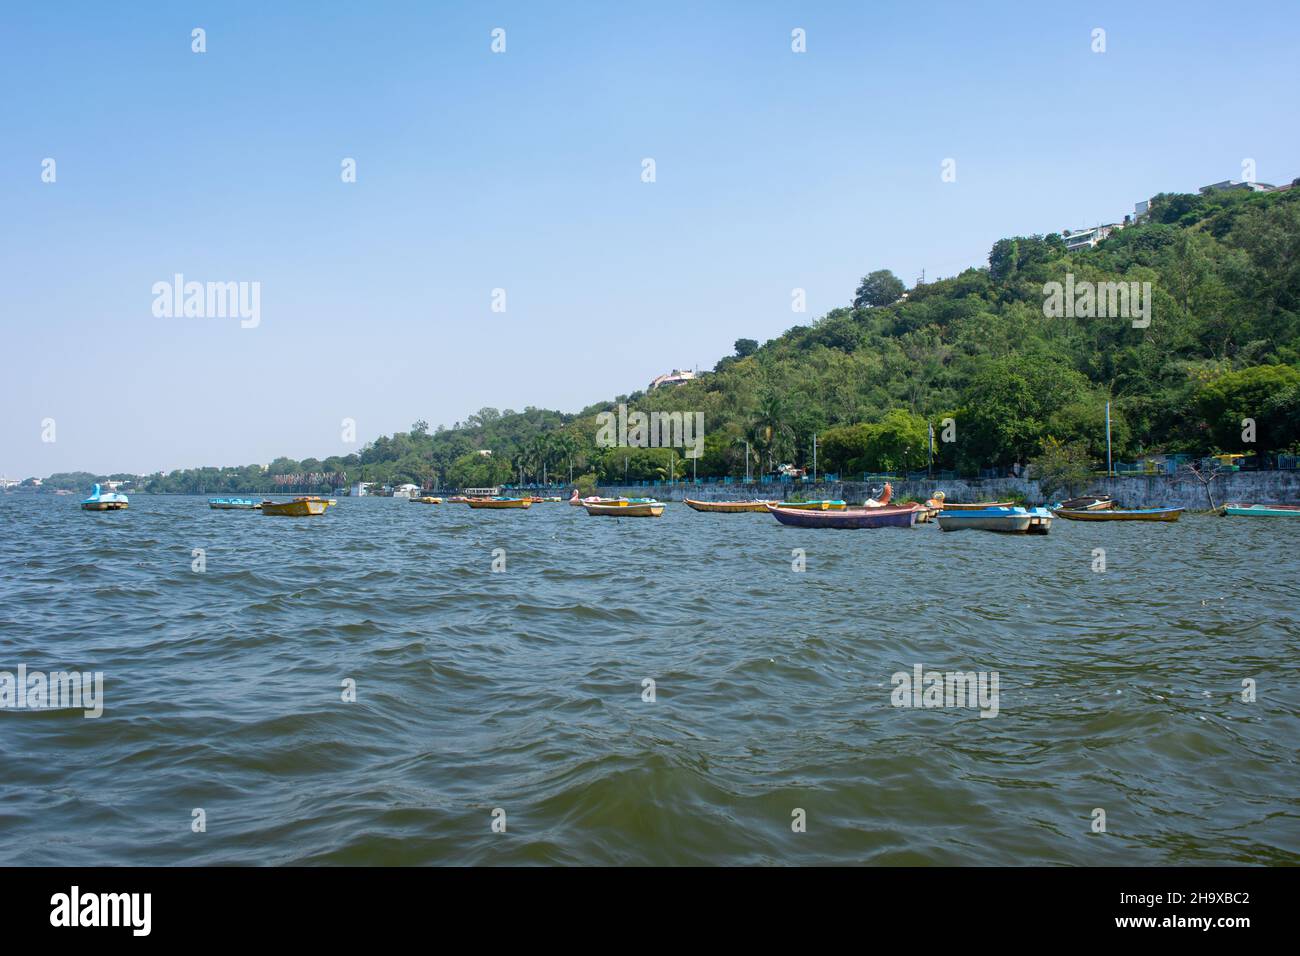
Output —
(675, 377)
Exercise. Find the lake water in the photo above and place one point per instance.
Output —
(522, 691)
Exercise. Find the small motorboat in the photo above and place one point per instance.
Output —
(499, 502)
(1240, 509)
(886, 516)
(728, 507)
(825, 505)
(627, 508)
(234, 504)
(1118, 514)
(297, 508)
(104, 501)
(1006, 520)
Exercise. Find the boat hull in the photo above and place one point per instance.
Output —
(495, 503)
(999, 520)
(1111, 514)
(627, 510)
(847, 518)
(426, 500)
(728, 507)
(293, 509)
(103, 505)
(1262, 511)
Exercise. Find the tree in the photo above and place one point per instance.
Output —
(746, 347)
(1062, 467)
(1260, 394)
(877, 289)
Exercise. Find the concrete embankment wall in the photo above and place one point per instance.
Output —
(1143, 491)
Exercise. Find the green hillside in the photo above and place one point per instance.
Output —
(1222, 344)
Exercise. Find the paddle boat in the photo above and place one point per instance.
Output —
(426, 500)
(297, 508)
(1240, 509)
(1006, 520)
(976, 505)
(104, 501)
(728, 507)
(627, 508)
(825, 505)
(499, 502)
(1117, 514)
(234, 504)
(886, 516)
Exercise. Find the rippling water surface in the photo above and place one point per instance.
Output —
(523, 691)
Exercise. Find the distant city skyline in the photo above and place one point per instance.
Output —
(905, 139)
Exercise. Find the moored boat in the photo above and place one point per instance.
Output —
(626, 508)
(297, 508)
(234, 504)
(728, 507)
(1242, 510)
(886, 516)
(426, 500)
(104, 501)
(499, 502)
(977, 505)
(1116, 514)
(1005, 520)
(1087, 503)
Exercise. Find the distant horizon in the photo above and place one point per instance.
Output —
(522, 172)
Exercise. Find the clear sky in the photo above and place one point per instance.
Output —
(522, 171)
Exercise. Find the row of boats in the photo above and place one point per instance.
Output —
(999, 516)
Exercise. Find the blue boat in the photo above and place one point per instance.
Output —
(104, 501)
(1013, 520)
(234, 504)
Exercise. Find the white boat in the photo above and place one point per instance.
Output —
(1004, 520)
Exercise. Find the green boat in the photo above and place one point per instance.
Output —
(1262, 511)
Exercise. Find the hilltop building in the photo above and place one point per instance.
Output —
(675, 377)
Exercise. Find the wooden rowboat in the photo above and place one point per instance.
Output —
(1261, 511)
(1112, 514)
(627, 509)
(1009, 520)
(298, 508)
(1087, 503)
(887, 516)
(836, 505)
(500, 502)
(728, 507)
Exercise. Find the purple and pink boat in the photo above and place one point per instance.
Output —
(889, 516)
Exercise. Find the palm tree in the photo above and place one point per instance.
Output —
(770, 430)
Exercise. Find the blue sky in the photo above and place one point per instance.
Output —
(522, 171)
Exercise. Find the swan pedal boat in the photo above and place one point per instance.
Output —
(728, 507)
(886, 516)
(1005, 520)
(1115, 514)
(104, 501)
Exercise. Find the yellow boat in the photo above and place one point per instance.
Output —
(298, 508)
(426, 500)
(627, 509)
(500, 502)
(728, 507)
